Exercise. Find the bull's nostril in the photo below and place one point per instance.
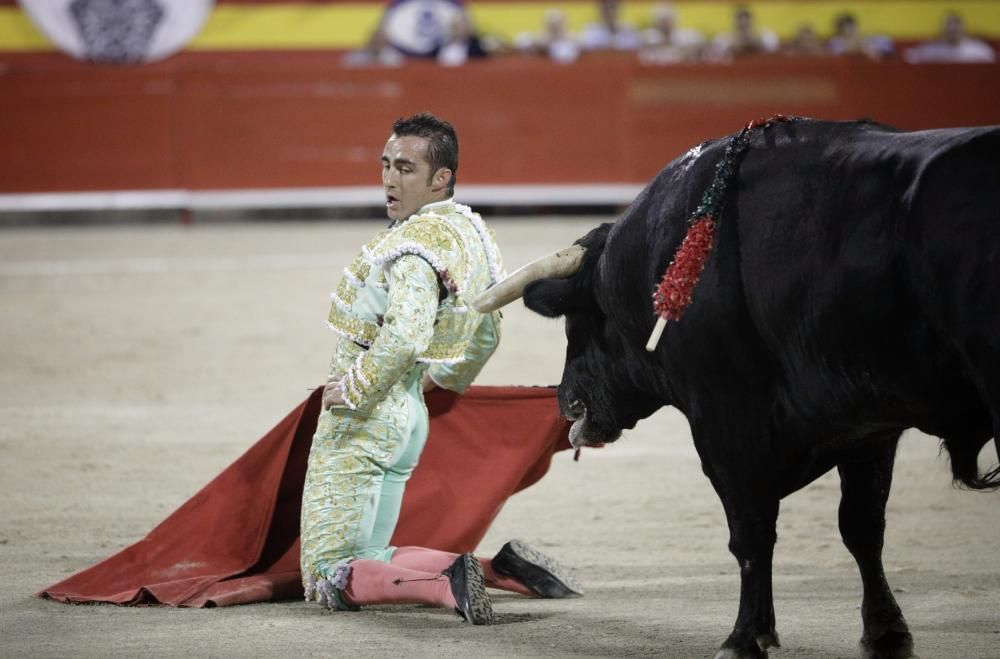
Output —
(575, 410)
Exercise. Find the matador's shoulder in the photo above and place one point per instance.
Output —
(432, 237)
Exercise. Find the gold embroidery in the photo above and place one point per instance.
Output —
(352, 327)
(341, 318)
(447, 240)
(434, 239)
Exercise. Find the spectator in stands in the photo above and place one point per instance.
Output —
(805, 42)
(555, 42)
(610, 33)
(744, 39)
(665, 43)
(377, 52)
(953, 45)
(847, 39)
(461, 43)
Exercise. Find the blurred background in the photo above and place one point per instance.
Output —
(195, 107)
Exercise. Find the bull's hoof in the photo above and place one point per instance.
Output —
(757, 650)
(890, 645)
(734, 653)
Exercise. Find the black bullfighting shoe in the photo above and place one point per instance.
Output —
(468, 585)
(538, 572)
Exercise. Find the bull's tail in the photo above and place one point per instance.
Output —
(964, 454)
(994, 474)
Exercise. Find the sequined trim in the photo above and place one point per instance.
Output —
(489, 244)
(364, 370)
(339, 303)
(418, 250)
(456, 225)
(441, 360)
(357, 272)
(353, 329)
(360, 374)
(350, 391)
(352, 278)
(329, 592)
(341, 575)
(364, 334)
(433, 238)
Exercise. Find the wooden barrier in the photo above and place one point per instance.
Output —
(204, 121)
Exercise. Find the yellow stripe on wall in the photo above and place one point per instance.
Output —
(288, 26)
(899, 20)
(348, 25)
(907, 20)
(18, 33)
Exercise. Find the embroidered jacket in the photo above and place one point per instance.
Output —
(463, 261)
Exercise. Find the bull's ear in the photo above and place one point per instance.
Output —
(550, 297)
(557, 297)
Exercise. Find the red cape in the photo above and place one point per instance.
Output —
(237, 540)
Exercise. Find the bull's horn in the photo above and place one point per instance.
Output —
(558, 265)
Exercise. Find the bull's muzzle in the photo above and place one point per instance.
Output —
(583, 433)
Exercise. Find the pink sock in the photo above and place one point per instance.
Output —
(494, 580)
(423, 559)
(433, 560)
(375, 582)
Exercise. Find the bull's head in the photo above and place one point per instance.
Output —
(599, 391)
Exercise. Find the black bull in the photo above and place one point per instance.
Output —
(853, 292)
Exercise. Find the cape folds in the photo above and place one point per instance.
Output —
(237, 540)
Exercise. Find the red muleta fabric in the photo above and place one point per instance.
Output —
(237, 540)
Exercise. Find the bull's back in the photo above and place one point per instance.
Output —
(852, 237)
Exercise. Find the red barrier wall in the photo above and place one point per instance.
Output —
(257, 120)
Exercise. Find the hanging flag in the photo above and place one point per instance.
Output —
(420, 27)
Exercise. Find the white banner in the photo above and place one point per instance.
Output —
(119, 31)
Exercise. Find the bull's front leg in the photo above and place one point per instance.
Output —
(864, 491)
(752, 518)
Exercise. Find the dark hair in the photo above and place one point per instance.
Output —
(442, 143)
(844, 19)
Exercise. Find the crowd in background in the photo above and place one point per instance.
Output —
(665, 41)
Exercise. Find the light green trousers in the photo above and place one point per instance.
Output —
(357, 472)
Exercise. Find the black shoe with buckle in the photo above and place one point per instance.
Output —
(468, 585)
(542, 575)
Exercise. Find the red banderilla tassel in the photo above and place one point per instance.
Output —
(673, 295)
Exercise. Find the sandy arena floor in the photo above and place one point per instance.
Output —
(137, 362)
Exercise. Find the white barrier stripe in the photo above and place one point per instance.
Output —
(339, 197)
(159, 265)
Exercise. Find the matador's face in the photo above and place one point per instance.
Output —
(407, 178)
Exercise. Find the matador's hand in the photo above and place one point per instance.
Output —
(333, 393)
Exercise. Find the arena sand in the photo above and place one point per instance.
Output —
(137, 362)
